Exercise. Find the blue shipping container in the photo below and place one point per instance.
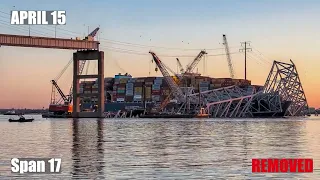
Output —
(156, 87)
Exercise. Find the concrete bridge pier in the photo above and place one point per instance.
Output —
(88, 55)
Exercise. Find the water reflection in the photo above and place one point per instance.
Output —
(87, 149)
(160, 149)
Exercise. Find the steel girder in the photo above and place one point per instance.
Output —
(284, 80)
(231, 101)
(263, 103)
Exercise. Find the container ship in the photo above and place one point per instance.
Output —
(123, 92)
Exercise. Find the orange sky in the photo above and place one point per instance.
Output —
(281, 32)
(26, 76)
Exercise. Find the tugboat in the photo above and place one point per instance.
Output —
(21, 119)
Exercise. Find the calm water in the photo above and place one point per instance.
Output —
(160, 149)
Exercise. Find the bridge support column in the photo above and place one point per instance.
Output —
(88, 55)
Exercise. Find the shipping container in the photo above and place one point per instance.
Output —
(129, 98)
(121, 95)
(123, 80)
(156, 92)
(129, 84)
(140, 80)
(156, 87)
(148, 92)
(204, 89)
(88, 86)
(138, 84)
(132, 80)
(204, 82)
(157, 81)
(150, 79)
(129, 93)
(121, 91)
(155, 97)
(120, 99)
(138, 89)
(137, 98)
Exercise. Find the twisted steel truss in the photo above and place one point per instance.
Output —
(282, 95)
(231, 101)
(284, 80)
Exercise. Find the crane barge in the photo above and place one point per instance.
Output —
(62, 107)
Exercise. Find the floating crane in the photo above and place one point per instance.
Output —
(68, 98)
(63, 96)
(176, 91)
(82, 63)
(225, 43)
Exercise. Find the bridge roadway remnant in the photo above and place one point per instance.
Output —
(45, 42)
(86, 50)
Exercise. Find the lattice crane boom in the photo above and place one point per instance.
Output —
(82, 63)
(64, 97)
(225, 43)
(94, 32)
(175, 89)
(194, 63)
(180, 66)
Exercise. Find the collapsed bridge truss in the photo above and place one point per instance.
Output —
(284, 80)
(282, 95)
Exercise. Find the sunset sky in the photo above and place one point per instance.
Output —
(277, 29)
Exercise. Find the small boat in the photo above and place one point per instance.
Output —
(21, 119)
(11, 113)
(202, 114)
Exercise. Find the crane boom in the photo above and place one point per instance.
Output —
(194, 63)
(225, 43)
(180, 66)
(174, 86)
(177, 92)
(94, 32)
(82, 63)
(64, 97)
